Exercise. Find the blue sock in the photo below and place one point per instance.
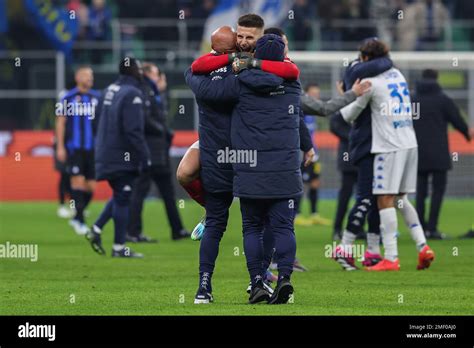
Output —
(106, 214)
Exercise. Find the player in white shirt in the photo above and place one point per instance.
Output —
(396, 156)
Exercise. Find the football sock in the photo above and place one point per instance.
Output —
(373, 243)
(413, 222)
(78, 197)
(388, 228)
(348, 239)
(87, 198)
(196, 191)
(313, 200)
(118, 247)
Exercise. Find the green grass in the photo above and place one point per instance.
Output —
(156, 284)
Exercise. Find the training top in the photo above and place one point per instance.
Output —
(392, 122)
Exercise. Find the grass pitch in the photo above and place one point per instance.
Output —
(70, 279)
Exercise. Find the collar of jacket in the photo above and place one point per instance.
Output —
(129, 80)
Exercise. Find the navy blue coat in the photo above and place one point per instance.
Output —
(120, 141)
(265, 121)
(214, 132)
(360, 137)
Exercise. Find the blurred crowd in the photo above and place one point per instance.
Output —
(315, 25)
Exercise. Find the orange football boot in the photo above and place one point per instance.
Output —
(385, 265)
(425, 258)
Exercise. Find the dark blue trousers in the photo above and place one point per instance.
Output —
(118, 207)
(277, 215)
(217, 214)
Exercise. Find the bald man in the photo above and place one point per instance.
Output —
(214, 136)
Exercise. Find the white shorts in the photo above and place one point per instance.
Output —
(195, 145)
(395, 172)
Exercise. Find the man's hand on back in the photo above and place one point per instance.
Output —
(361, 88)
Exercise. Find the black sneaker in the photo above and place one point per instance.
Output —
(131, 239)
(95, 241)
(145, 239)
(203, 296)
(282, 292)
(258, 293)
(127, 253)
(267, 285)
(436, 235)
(469, 234)
(183, 234)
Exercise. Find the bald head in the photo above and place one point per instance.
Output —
(223, 40)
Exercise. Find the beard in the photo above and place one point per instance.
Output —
(249, 49)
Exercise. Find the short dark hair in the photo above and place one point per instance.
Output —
(430, 74)
(275, 31)
(309, 85)
(251, 20)
(373, 48)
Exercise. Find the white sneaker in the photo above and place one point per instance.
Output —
(81, 229)
(64, 212)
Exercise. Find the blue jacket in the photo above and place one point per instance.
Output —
(120, 140)
(264, 126)
(214, 132)
(360, 137)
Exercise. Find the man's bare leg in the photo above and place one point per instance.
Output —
(187, 174)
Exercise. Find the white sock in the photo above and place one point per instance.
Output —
(348, 239)
(373, 243)
(96, 229)
(388, 229)
(118, 247)
(412, 221)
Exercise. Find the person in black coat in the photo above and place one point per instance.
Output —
(341, 129)
(158, 138)
(121, 152)
(437, 110)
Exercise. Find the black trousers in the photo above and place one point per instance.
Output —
(140, 190)
(348, 181)
(438, 188)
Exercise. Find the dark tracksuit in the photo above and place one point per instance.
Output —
(120, 150)
(437, 110)
(360, 142)
(214, 135)
(265, 121)
(158, 138)
(341, 129)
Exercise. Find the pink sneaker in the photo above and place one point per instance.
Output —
(344, 258)
(371, 259)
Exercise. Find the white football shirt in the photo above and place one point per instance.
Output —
(390, 104)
